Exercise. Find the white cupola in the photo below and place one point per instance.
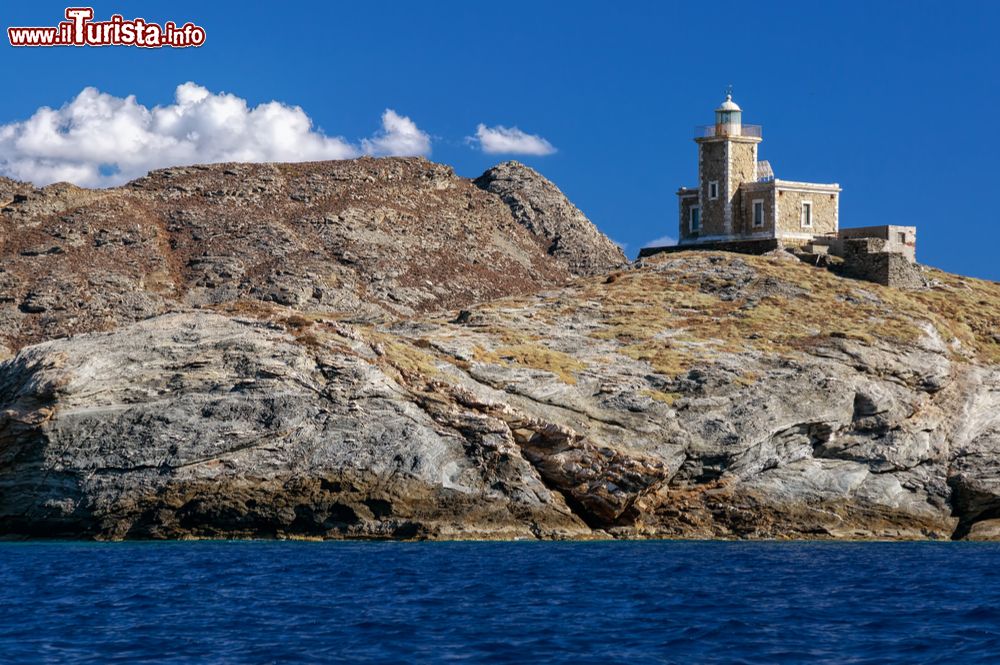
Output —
(728, 117)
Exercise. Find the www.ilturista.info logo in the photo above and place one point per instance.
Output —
(79, 29)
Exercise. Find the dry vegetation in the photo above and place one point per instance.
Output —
(537, 356)
(675, 315)
(691, 307)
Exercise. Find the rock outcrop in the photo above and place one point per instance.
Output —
(367, 239)
(699, 396)
(695, 395)
(540, 207)
(198, 424)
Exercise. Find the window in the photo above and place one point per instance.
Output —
(807, 214)
(901, 236)
(695, 218)
(758, 212)
(713, 189)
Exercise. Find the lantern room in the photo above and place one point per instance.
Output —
(728, 118)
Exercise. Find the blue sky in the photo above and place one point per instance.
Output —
(895, 101)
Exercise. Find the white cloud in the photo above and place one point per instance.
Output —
(98, 139)
(663, 241)
(510, 140)
(399, 136)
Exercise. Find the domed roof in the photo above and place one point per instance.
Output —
(728, 105)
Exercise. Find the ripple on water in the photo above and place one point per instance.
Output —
(671, 602)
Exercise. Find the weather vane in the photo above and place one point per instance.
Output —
(729, 90)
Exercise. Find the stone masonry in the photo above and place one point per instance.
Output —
(737, 199)
(869, 259)
(740, 206)
(791, 197)
(901, 239)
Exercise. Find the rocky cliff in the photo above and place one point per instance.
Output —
(689, 395)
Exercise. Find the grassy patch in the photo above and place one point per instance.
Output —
(408, 360)
(664, 357)
(676, 317)
(535, 356)
(667, 398)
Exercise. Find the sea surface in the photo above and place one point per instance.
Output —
(601, 602)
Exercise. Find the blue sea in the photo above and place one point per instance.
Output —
(600, 602)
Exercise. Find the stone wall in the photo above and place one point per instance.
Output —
(729, 163)
(789, 218)
(750, 192)
(761, 246)
(868, 259)
(901, 239)
(742, 167)
(743, 161)
(712, 160)
(684, 207)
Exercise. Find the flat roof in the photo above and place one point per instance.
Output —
(812, 186)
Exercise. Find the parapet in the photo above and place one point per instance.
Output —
(879, 260)
(900, 239)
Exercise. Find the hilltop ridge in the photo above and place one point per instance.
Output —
(371, 239)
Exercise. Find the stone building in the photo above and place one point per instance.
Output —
(740, 206)
(738, 198)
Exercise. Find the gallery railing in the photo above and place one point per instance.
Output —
(710, 131)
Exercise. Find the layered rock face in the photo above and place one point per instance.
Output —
(540, 207)
(198, 424)
(694, 395)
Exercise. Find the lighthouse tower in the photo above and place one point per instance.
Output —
(727, 156)
(738, 198)
(740, 205)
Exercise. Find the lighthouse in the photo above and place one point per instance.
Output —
(727, 157)
(740, 206)
(738, 198)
